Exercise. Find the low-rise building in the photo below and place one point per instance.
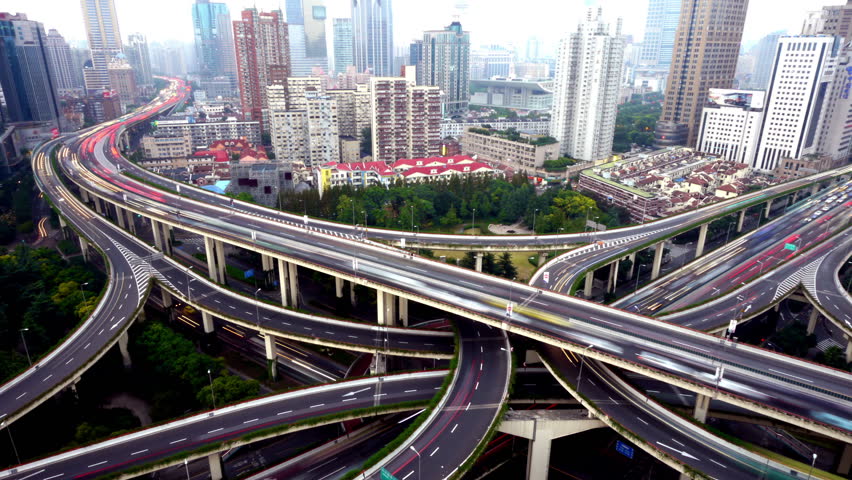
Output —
(350, 149)
(262, 179)
(356, 174)
(516, 93)
(205, 133)
(525, 151)
(161, 145)
(454, 129)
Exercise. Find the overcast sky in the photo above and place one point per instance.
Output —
(489, 21)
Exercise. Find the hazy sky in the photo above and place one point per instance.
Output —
(489, 21)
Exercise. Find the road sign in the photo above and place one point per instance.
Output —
(509, 307)
(386, 475)
(624, 449)
(790, 246)
(546, 277)
(402, 243)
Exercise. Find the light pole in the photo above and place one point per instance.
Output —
(727, 235)
(25, 345)
(638, 272)
(18, 458)
(186, 465)
(82, 292)
(534, 214)
(761, 267)
(809, 471)
(473, 222)
(212, 394)
(188, 293)
(512, 284)
(257, 307)
(418, 460)
(582, 360)
(412, 218)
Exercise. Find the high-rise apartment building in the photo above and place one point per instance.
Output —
(298, 89)
(214, 41)
(25, 79)
(344, 55)
(798, 96)
(372, 27)
(306, 27)
(707, 45)
(446, 65)
(660, 26)
(764, 56)
(308, 135)
(406, 119)
(353, 109)
(104, 41)
(61, 64)
(138, 57)
(586, 86)
(263, 57)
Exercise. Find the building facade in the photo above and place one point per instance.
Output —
(104, 41)
(513, 93)
(61, 64)
(160, 145)
(344, 55)
(405, 119)
(203, 134)
(214, 45)
(660, 26)
(353, 109)
(764, 57)
(706, 49)
(730, 124)
(445, 64)
(524, 153)
(263, 57)
(138, 57)
(123, 80)
(451, 128)
(25, 79)
(492, 61)
(586, 86)
(306, 27)
(372, 28)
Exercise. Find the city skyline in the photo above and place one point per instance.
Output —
(409, 23)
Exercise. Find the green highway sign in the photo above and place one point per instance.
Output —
(790, 246)
(386, 475)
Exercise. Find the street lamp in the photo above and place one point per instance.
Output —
(418, 460)
(82, 292)
(512, 284)
(25, 345)
(188, 292)
(212, 394)
(727, 235)
(812, 465)
(534, 214)
(582, 360)
(257, 307)
(18, 458)
(638, 272)
(186, 464)
(412, 218)
(473, 222)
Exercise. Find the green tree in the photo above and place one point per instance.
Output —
(228, 389)
(506, 267)
(833, 356)
(451, 218)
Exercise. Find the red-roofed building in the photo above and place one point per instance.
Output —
(437, 172)
(404, 164)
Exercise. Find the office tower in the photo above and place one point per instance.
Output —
(263, 57)
(214, 41)
(764, 55)
(306, 27)
(122, 78)
(706, 49)
(830, 20)
(660, 26)
(730, 124)
(490, 61)
(79, 57)
(25, 79)
(372, 27)
(344, 56)
(533, 52)
(446, 64)
(406, 119)
(104, 41)
(61, 64)
(139, 58)
(588, 73)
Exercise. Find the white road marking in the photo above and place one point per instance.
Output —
(477, 386)
(32, 474)
(613, 400)
(21, 395)
(318, 405)
(140, 451)
(69, 361)
(349, 399)
(55, 476)
(435, 451)
(409, 474)
(717, 463)
(250, 421)
(409, 391)
(793, 376)
(468, 406)
(284, 413)
(216, 430)
(606, 321)
(682, 445)
(643, 421)
(454, 428)
(690, 346)
(87, 345)
(177, 441)
(96, 464)
(46, 378)
(349, 394)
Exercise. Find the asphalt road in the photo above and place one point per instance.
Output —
(827, 289)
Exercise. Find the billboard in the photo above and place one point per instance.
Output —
(736, 98)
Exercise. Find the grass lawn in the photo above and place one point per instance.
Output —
(519, 259)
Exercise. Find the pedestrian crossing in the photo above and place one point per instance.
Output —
(827, 343)
(142, 268)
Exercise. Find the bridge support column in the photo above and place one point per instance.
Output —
(338, 287)
(538, 458)
(220, 261)
(125, 354)
(632, 258)
(478, 267)
(167, 239)
(542, 258)
(215, 462)
(284, 282)
(849, 351)
(814, 189)
(845, 463)
(267, 264)
(740, 221)
(119, 214)
(84, 248)
(379, 365)
(210, 253)
(702, 404)
(131, 221)
(352, 299)
(812, 320)
(658, 260)
(293, 274)
(702, 237)
(207, 320)
(768, 207)
(98, 207)
(84, 196)
(271, 356)
(403, 311)
(386, 308)
(795, 197)
(590, 281)
(613, 273)
(166, 297)
(158, 235)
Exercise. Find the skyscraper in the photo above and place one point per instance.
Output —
(344, 55)
(446, 64)
(104, 40)
(25, 78)
(61, 64)
(660, 26)
(764, 55)
(214, 41)
(706, 50)
(372, 27)
(306, 27)
(263, 57)
(586, 85)
(830, 20)
(406, 119)
(139, 58)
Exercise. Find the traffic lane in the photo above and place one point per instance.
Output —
(476, 397)
(830, 293)
(226, 424)
(659, 433)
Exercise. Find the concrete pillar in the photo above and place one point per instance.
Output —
(207, 320)
(98, 207)
(658, 260)
(284, 282)
(768, 207)
(268, 266)
(611, 280)
(478, 267)
(740, 221)
(125, 354)
(542, 258)
(702, 404)
(84, 248)
(812, 320)
(210, 253)
(338, 287)
(702, 237)
(845, 463)
(379, 364)
(166, 297)
(215, 462)
(62, 223)
(849, 351)
(403, 311)
(131, 221)
(795, 197)
(352, 299)
(632, 258)
(158, 235)
(271, 356)
(120, 216)
(167, 239)
(84, 195)
(590, 281)
(293, 274)
(220, 261)
(814, 189)
(386, 308)
(538, 458)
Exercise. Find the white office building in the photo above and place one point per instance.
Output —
(586, 87)
(730, 124)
